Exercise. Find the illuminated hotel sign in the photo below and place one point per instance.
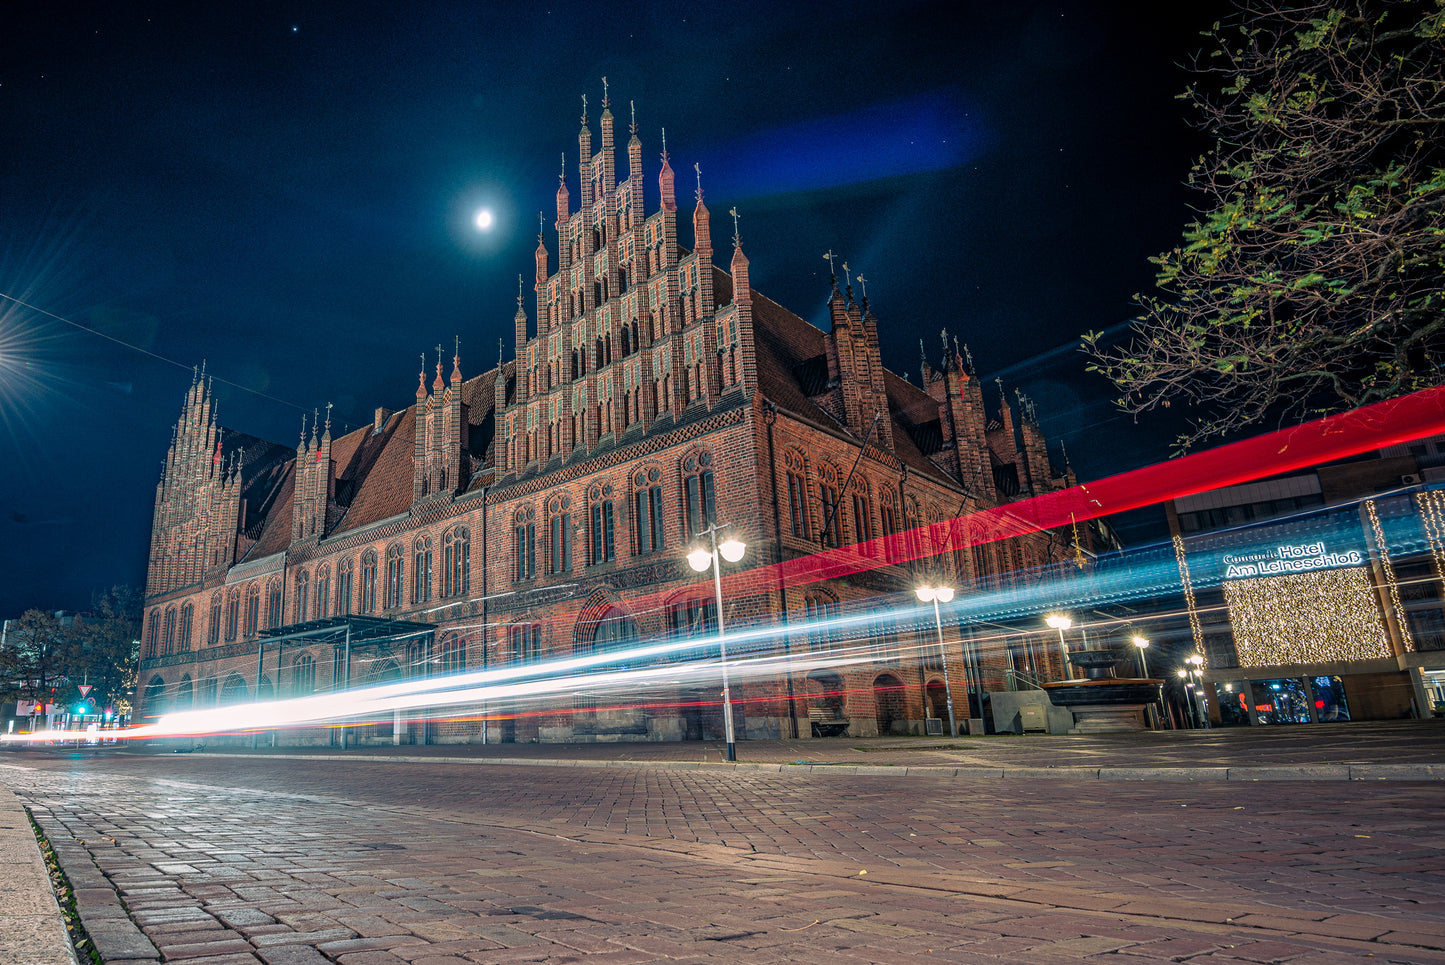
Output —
(1290, 558)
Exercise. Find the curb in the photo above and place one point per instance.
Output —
(32, 929)
(1275, 772)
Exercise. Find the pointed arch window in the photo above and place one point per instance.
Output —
(421, 572)
(602, 533)
(395, 576)
(829, 505)
(253, 609)
(368, 581)
(797, 472)
(303, 595)
(183, 631)
(213, 625)
(526, 642)
(888, 517)
(647, 510)
(233, 614)
(168, 636)
(862, 516)
(821, 609)
(274, 616)
(303, 676)
(323, 593)
(697, 483)
(453, 654)
(559, 539)
(524, 545)
(457, 562)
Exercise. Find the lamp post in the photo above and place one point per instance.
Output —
(937, 595)
(1189, 697)
(700, 559)
(1196, 670)
(1142, 645)
(1061, 623)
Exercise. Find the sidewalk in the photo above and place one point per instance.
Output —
(32, 931)
(34, 934)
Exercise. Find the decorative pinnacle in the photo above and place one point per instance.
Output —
(499, 355)
(439, 359)
(423, 365)
(303, 427)
(315, 421)
(562, 178)
(457, 354)
(584, 108)
(632, 128)
(864, 283)
(698, 168)
(328, 417)
(828, 257)
(664, 145)
(606, 102)
(737, 239)
(541, 226)
(519, 293)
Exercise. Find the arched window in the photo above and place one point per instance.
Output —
(798, 509)
(183, 631)
(368, 581)
(698, 487)
(155, 697)
(234, 690)
(647, 510)
(559, 537)
(524, 544)
(862, 513)
(395, 575)
(343, 587)
(233, 613)
(213, 625)
(253, 609)
(274, 616)
(303, 676)
(421, 574)
(323, 592)
(457, 562)
(613, 633)
(418, 658)
(168, 638)
(526, 642)
(601, 530)
(821, 609)
(888, 516)
(828, 504)
(303, 595)
(454, 654)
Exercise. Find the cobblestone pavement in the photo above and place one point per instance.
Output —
(222, 860)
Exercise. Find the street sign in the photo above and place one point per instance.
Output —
(84, 689)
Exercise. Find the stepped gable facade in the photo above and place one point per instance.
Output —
(543, 508)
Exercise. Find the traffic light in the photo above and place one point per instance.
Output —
(80, 708)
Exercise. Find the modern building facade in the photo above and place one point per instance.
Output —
(543, 508)
(1317, 596)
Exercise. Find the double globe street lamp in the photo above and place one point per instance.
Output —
(700, 559)
(937, 595)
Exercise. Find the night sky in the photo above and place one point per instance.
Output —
(287, 191)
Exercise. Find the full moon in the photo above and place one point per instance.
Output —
(483, 219)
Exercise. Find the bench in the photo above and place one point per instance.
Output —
(827, 722)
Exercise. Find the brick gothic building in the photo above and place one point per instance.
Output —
(544, 507)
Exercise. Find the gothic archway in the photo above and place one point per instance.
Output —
(888, 704)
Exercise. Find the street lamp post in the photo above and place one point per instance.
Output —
(1142, 644)
(700, 559)
(1196, 670)
(937, 595)
(1061, 623)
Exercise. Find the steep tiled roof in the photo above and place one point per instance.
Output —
(788, 349)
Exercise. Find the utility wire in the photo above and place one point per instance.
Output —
(147, 352)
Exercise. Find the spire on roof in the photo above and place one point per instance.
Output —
(328, 417)
(302, 442)
(737, 238)
(584, 110)
(698, 168)
(828, 256)
(632, 128)
(848, 284)
(664, 146)
(499, 355)
(562, 178)
(519, 294)
(606, 103)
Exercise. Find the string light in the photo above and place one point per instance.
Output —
(1314, 617)
(1188, 585)
(1401, 621)
(1432, 515)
